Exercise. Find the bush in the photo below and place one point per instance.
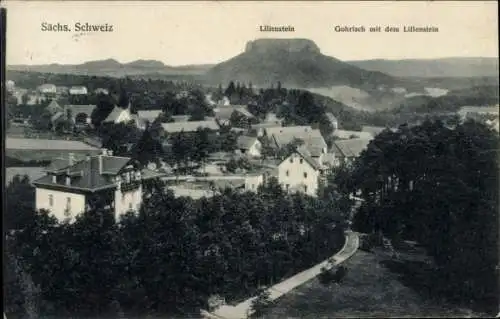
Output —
(325, 277)
(340, 274)
(328, 276)
(370, 241)
(261, 303)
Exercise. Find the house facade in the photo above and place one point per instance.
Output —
(47, 89)
(252, 182)
(78, 90)
(71, 187)
(119, 115)
(299, 172)
(249, 146)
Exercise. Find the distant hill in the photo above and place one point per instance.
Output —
(111, 67)
(295, 63)
(487, 95)
(445, 67)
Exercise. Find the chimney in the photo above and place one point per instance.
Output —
(104, 151)
(100, 164)
(68, 178)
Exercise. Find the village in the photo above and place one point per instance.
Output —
(298, 156)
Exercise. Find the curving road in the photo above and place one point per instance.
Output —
(243, 309)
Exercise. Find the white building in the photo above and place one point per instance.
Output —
(253, 181)
(300, 172)
(119, 115)
(47, 89)
(249, 146)
(78, 90)
(149, 115)
(10, 85)
(101, 91)
(72, 187)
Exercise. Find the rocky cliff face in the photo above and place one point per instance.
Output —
(263, 46)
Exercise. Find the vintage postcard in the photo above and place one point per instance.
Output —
(232, 160)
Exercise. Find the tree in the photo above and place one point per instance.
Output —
(20, 204)
(440, 187)
(202, 145)
(261, 303)
(230, 90)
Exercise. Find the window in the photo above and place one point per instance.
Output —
(291, 160)
(305, 188)
(301, 160)
(305, 175)
(287, 173)
(130, 206)
(68, 202)
(51, 200)
(287, 186)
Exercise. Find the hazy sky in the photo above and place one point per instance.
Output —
(179, 33)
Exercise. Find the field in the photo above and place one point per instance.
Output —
(375, 286)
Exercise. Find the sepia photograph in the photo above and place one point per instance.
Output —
(253, 159)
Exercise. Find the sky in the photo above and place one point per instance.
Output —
(181, 33)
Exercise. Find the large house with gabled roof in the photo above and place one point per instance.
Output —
(300, 172)
(71, 187)
(346, 151)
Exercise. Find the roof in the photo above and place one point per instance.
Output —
(93, 141)
(42, 144)
(181, 118)
(306, 155)
(78, 109)
(101, 90)
(56, 116)
(225, 111)
(88, 175)
(47, 86)
(59, 164)
(266, 125)
(149, 115)
(287, 130)
(313, 140)
(189, 126)
(54, 107)
(245, 142)
(374, 130)
(115, 114)
(352, 147)
(343, 134)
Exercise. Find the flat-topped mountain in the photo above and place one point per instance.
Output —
(294, 63)
(287, 45)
